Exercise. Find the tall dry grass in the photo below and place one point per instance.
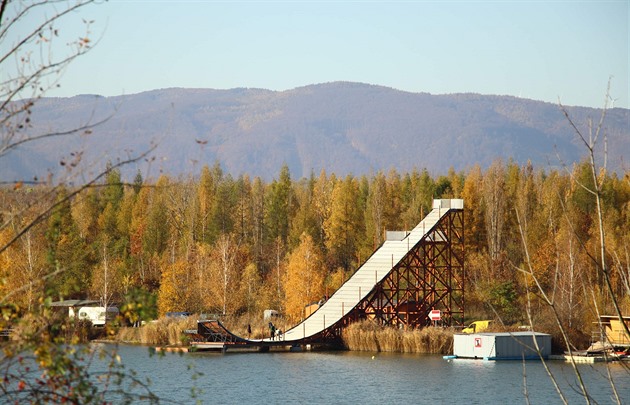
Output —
(368, 336)
(360, 336)
(165, 331)
(169, 331)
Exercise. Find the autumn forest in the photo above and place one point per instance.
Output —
(217, 244)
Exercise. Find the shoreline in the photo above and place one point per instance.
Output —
(362, 336)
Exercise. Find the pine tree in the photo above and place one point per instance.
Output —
(344, 226)
(394, 203)
(259, 225)
(280, 207)
(375, 213)
(156, 233)
(244, 211)
(305, 219)
(322, 199)
(68, 257)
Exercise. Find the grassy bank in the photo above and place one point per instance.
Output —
(367, 336)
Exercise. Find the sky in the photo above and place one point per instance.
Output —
(544, 50)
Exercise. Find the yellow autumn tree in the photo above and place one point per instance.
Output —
(22, 268)
(251, 290)
(336, 280)
(344, 227)
(304, 283)
(6, 263)
(201, 265)
(174, 290)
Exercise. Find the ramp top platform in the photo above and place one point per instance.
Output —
(456, 204)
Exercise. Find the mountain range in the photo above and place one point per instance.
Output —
(342, 127)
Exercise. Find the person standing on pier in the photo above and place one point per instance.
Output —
(272, 330)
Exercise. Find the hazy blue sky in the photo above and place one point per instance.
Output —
(541, 50)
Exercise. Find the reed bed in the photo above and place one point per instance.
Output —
(169, 331)
(360, 336)
(368, 336)
(165, 331)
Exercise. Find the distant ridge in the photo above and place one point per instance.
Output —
(342, 127)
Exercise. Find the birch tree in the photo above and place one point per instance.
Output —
(495, 205)
(226, 260)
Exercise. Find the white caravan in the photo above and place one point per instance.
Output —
(97, 315)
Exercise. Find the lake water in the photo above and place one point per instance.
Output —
(366, 378)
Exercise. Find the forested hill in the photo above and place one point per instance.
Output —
(341, 127)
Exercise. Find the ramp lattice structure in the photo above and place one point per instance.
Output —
(402, 281)
(429, 277)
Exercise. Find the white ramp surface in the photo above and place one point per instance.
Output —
(373, 271)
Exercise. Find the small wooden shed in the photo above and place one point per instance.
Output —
(615, 332)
